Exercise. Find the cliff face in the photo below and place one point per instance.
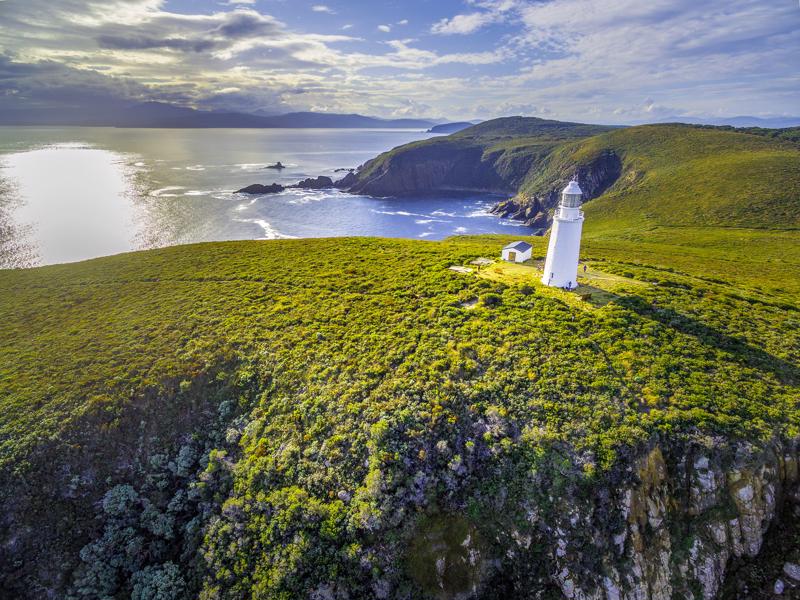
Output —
(673, 524)
(692, 513)
(492, 157)
(595, 177)
(429, 169)
(450, 167)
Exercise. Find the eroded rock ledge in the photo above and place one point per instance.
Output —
(594, 178)
(688, 516)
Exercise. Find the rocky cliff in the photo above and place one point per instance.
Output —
(674, 523)
(492, 157)
(535, 208)
(428, 169)
(671, 174)
(689, 515)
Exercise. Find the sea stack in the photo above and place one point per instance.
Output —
(561, 265)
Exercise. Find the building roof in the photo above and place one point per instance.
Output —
(521, 246)
(573, 188)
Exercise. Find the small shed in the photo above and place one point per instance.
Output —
(517, 252)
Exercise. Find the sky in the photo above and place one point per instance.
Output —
(609, 61)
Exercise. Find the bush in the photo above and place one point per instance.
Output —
(162, 582)
(491, 300)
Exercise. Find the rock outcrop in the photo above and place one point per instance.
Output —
(535, 210)
(689, 514)
(318, 183)
(258, 189)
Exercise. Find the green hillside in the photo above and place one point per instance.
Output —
(231, 421)
(681, 175)
(636, 177)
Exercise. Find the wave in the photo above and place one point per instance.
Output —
(162, 193)
(270, 233)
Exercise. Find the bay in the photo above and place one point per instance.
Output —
(69, 194)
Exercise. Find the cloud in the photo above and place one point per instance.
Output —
(624, 60)
(322, 8)
(403, 22)
(493, 11)
(463, 24)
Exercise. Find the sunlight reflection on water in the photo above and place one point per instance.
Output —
(75, 200)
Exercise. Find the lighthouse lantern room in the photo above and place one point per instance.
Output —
(561, 265)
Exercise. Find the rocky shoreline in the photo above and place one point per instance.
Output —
(318, 183)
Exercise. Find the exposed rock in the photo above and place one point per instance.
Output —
(257, 188)
(431, 169)
(792, 571)
(594, 177)
(674, 531)
(278, 166)
(320, 183)
(778, 587)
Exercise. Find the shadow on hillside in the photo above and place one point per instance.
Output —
(756, 358)
(595, 296)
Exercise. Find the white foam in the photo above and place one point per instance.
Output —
(307, 196)
(161, 193)
(197, 193)
(270, 233)
(398, 213)
(196, 168)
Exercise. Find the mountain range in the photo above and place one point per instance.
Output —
(161, 115)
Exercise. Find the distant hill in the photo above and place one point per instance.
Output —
(493, 156)
(158, 114)
(740, 121)
(450, 127)
(650, 174)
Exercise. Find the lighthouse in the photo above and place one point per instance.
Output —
(561, 266)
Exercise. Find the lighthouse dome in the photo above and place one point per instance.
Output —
(572, 188)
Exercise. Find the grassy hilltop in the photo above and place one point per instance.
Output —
(231, 421)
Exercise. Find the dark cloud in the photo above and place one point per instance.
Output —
(116, 42)
(246, 24)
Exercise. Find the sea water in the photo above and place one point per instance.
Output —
(69, 194)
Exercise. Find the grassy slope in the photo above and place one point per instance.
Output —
(358, 358)
(678, 175)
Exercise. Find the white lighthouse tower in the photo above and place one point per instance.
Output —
(561, 266)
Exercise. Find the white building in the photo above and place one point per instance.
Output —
(517, 252)
(561, 266)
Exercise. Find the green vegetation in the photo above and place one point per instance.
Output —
(231, 421)
(248, 420)
(682, 175)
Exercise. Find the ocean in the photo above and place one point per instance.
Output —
(73, 193)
